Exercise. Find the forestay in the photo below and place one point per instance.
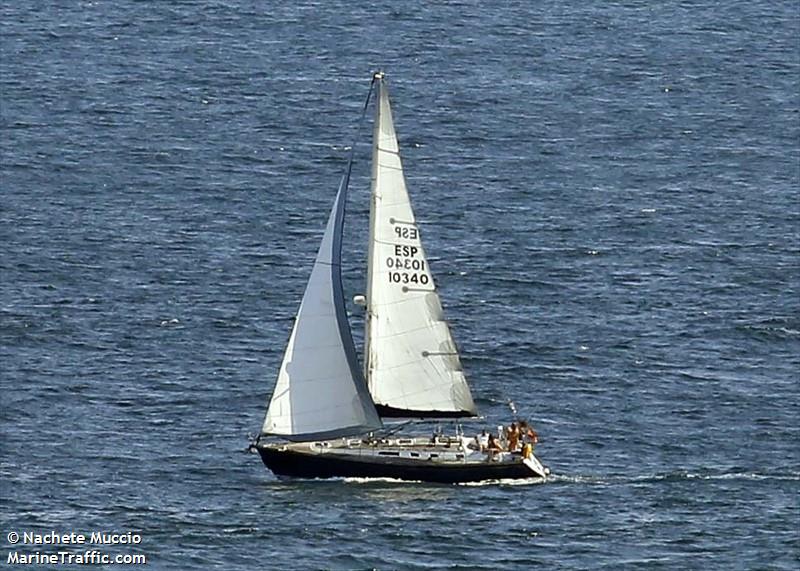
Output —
(321, 392)
(412, 364)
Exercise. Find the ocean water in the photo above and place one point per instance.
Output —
(610, 197)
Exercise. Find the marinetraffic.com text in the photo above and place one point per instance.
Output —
(73, 548)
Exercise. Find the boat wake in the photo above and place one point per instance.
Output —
(397, 481)
(482, 483)
(378, 481)
(507, 482)
(585, 479)
(675, 476)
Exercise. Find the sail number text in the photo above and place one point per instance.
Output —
(406, 267)
(406, 232)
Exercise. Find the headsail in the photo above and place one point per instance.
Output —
(321, 392)
(412, 364)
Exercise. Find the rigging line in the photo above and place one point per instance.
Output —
(358, 126)
(398, 428)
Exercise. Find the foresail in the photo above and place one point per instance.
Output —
(321, 392)
(412, 364)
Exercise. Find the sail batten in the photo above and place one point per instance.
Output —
(406, 335)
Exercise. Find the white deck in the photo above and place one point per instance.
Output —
(443, 449)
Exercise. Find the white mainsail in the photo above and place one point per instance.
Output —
(412, 364)
(321, 392)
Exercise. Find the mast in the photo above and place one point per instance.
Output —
(377, 79)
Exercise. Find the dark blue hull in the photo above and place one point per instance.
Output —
(284, 462)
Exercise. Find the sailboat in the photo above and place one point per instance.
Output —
(327, 416)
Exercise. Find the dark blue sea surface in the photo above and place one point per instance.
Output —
(609, 193)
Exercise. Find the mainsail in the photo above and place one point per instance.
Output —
(412, 364)
(321, 392)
